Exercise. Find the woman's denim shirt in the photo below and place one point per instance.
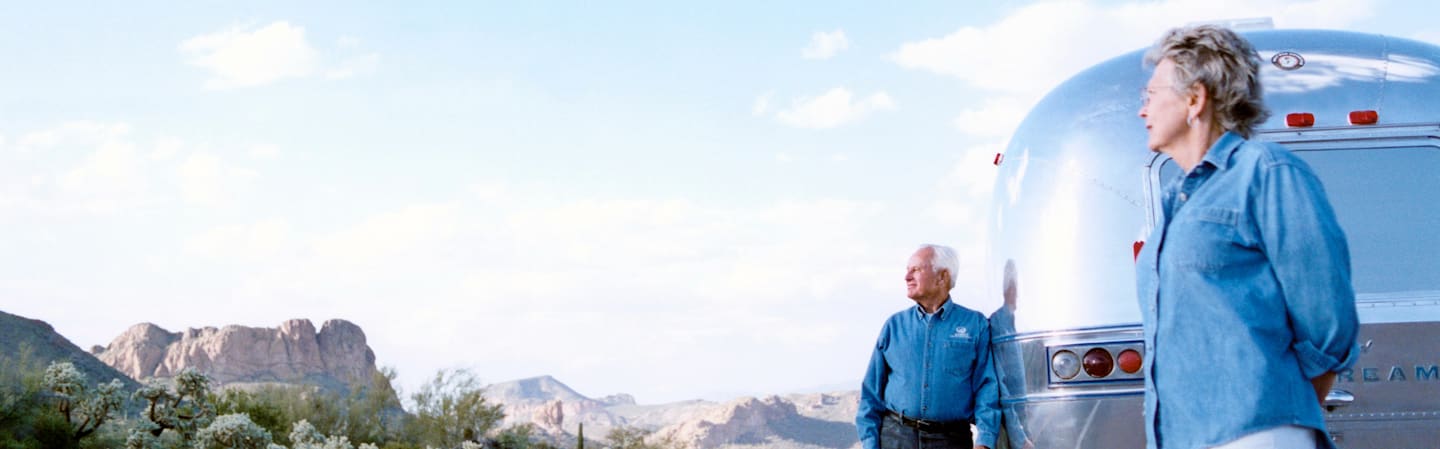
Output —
(1244, 289)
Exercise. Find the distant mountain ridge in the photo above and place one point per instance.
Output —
(296, 353)
(335, 357)
(46, 346)
(796, 421)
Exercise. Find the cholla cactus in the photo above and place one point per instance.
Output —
(63, 379)
(186, 409)
(85, 408)
(304, 436)
(233, 431)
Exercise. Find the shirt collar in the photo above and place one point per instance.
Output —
(1219, 154)
(939, 314)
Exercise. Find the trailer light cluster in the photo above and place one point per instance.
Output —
(1096, 362)
(1306, 119)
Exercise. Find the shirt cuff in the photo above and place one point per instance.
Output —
(1314, 362)
(984, 438)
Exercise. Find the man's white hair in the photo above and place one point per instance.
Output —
(943, 258)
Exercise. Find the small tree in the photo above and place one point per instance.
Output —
(305, 436)
(185, 410)
(234, 431)
(451, 408)
(83, 406)
(516, 437)
(580, 437)
(635, 438)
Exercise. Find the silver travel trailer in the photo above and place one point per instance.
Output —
(1077, 190)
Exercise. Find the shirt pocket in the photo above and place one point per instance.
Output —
(958, 356)
(1203, 239)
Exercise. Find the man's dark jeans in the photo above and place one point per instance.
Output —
(896, 435)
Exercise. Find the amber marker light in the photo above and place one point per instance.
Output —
(1130, 361)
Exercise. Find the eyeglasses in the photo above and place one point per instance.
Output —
(1149, 91)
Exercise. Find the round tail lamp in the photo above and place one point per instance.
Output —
(1065, 364)
(1130, 361)
(1099, 363)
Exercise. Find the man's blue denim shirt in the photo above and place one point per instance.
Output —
(1244, 289)
(934, 367)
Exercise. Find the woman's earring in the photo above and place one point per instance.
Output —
(1189, 120)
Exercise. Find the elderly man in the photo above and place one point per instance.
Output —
(930, 375)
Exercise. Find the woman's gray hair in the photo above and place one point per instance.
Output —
(943, 258)
(1222, 61)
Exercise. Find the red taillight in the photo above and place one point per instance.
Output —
(1130, 361)
(1098, 363)
(1364, 117)
(998, 158)
(1299, 119)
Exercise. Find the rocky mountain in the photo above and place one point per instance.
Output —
(765, 422)
(554, 407)
(38, 341)
(335, 357)
(799, 421)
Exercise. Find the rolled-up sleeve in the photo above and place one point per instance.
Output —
(1311, 261)
(872, 407)
(987, 392)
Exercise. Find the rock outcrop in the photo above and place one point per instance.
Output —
(796, 421)
(34, 344)
(765, 422)
(335, 357)
(553, 407)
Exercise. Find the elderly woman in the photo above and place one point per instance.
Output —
(1244, 286)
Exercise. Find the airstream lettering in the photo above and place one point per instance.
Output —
(1077, 191)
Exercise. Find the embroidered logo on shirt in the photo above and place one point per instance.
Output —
(961, 332)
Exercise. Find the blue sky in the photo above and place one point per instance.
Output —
(664, 199)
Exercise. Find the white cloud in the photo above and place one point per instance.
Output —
(242, 242)
(73, 133)
(490, 191)
(206, 179)
(1032, 60)
(825, 45)
(1431, 36)
(107, 180)
(242, 57)
(247, 56)
(996, 117)
(359, 65)
(166, 148)
(264, 152)
(388, 236)
(834, 108)
(762, 105)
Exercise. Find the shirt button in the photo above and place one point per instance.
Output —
(1183, 196)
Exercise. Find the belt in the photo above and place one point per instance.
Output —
(929, 426)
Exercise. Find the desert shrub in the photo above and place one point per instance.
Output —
(451, 408)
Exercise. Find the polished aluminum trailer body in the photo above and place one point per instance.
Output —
(1077, 189)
